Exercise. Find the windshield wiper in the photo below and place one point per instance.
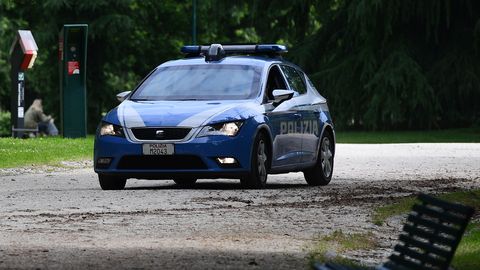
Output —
(189, 99)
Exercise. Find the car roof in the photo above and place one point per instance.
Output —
(258, 61)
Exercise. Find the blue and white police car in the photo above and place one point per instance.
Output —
(232, 111)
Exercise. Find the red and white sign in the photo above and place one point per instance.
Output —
(73, 67)
(28, 46)
(28, 60)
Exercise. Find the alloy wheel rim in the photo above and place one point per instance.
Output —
(326, 157)
(261, 161)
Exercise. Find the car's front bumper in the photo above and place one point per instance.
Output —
(196, 157)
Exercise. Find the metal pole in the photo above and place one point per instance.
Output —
(17, 78)
(194, 22)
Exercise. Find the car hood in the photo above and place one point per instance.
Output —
(180, 113)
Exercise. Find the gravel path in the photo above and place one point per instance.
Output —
(58, 218)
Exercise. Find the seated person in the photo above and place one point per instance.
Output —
(35, 118)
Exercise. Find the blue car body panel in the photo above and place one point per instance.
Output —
(293, 128)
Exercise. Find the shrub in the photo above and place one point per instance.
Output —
(5, 130)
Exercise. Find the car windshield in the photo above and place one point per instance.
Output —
(200, 82)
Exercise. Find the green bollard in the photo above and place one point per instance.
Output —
(73, 90)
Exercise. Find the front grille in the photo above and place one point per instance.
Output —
(173, 162)
(162, 134)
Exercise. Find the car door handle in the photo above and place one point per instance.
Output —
(297, 115)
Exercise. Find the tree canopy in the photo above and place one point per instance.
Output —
(382, 64)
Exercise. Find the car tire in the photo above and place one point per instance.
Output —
(321, 173)
(108, 182)
(257, 178)
(185, 182)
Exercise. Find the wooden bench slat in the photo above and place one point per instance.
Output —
(467, 210)
(25, 129)
(412, 230)
(426, 247)
(446, 216)
(434, 225)
(399, 260)
(424, 258)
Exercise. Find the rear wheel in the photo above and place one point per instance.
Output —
(321, 173)
(257, 178)
(108, 182)
(185, 182)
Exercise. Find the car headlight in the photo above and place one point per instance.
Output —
(111, 130)
(226, 129)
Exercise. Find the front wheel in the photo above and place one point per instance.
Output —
(257, 178)
(108, 182)
(321, 173)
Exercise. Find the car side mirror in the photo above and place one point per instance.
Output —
(281, 95)
(123, 95)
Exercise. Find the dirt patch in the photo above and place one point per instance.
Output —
(60, 218)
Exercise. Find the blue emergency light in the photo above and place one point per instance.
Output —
(269, 48)
(216, 52)
(190, 49)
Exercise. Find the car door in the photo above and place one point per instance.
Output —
(309, 122)
(283, 121)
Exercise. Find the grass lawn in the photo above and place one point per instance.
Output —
(43, 151)
(468, 252)
(327, 247)
(432, 136)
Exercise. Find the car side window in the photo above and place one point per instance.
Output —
(274, 81)
(310, 83)
(295, 80)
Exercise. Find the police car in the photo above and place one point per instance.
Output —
(232, 111)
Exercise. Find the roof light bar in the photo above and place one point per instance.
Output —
(269, 49)
(190, 49)
(272, 48)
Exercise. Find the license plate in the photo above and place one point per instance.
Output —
(158, 149)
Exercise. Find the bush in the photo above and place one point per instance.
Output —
(5, 124)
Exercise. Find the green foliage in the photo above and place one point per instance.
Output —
(400, 63)
(127, 39)
(5, 124)
(396, 64)
(399, 92)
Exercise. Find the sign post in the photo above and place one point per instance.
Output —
(73, 66)
(22, 56)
